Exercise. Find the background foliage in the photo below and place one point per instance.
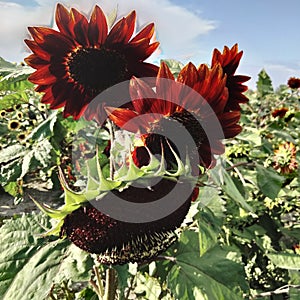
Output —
(240, 240)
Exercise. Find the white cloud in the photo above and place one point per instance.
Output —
(177, 28)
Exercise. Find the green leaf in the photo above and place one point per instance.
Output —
(195, 277)
(26, 163)
(12, 188)
(264, 84)
(10, 100)
(149, 286)
(14, 77)
(269, 182)
(29, 268)
(211, 199)
(45, 129)
(5, 64)
(223, 179)
(11, 153)
(10, 171)
(288, 261)
(209, 229)
(76, 265)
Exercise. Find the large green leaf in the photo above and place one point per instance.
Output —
(13, 77)
(264, 84)
(215, 276)
(209, 229)
(12, 99)
(221, 177)
(269, 182)
(30, 263)
(44, 129)
(288, 261)
(11, 153)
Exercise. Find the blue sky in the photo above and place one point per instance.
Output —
(267, 30)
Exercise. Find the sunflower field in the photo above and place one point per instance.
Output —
(101, 198)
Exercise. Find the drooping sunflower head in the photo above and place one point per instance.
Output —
(84, 58)
(131, 218)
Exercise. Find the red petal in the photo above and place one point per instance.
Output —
(80, 27)
(124, 118)
(64, 21)
(130, 21)
(75, 105)
(122, 30)
(142, 69)
(141, 94)
(35, 61)
(98, 29)
(166, 87)
(145, 33)
(42, 76)
(164, 72)
(51, 41)
(188, 75)
(36, 49)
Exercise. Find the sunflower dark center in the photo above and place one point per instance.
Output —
(191, 124)
(97, 69)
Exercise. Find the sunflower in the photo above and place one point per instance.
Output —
(285, 158)
(120, 235)
(2, 113)
(82, 59)
(95, 232)
(196, 100)
(229, 60)
(294, 83)
(280, 112)
(13, 125)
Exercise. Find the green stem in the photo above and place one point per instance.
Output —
(99, 282)
(110, 284)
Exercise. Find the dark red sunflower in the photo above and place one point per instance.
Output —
(294, 83)
(229, 60)
(196, 100)
(119, 242)
(83, 58)
(281, 112)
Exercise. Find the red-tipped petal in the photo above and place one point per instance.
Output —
(188, 75)
(36, 49)
(130, 21)
(124, 118)
(98, 28)
(118, 33)
(42, 76)
(141, 94)
(35, 62)
(80, 27)
(145, 33)
(63, 20)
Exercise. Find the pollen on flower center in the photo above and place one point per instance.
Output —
(97, 69)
